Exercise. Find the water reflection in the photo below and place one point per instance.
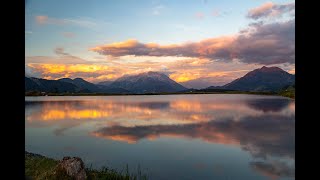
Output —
(274, 169)
(262, 126)
(262, 136)
(267, 105)
(155, 112)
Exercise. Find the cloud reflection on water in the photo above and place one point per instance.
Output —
(264, 127)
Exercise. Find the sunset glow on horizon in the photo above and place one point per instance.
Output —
(196, 43)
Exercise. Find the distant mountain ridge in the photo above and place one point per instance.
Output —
(52, 86)
(105, 83)
(148, 82)
(263, 79)
(82, 84)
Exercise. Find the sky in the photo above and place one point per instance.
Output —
(198, 43)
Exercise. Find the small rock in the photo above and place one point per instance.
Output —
(74, 167)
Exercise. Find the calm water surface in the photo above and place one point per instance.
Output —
(171, 137)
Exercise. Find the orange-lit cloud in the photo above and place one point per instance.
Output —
(91, 72)
(62, 68)
(183, 77)
(292, 71)
(260, 43)
(133, 47)
(189, 75)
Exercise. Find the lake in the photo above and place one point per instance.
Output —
(204, 136)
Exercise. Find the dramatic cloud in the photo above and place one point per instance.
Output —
(199, 64)
(133, 47)
(270, 9)
(272, 43)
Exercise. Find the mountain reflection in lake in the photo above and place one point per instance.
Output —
(172, 137)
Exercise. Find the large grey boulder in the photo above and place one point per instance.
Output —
(74, 167)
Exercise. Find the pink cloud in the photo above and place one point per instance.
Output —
(260, 43)
(270, 9)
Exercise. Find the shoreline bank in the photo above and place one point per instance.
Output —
(290, 95)
(41, 167)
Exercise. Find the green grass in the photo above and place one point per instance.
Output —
(43, 168)
(39, 167)
(288, 93)
(105, 173)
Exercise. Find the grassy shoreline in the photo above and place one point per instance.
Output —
(283, 94)
(39, 167)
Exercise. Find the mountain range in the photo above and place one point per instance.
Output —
(149, 82)
(53, 86)
(263, 79)
(82, 84)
